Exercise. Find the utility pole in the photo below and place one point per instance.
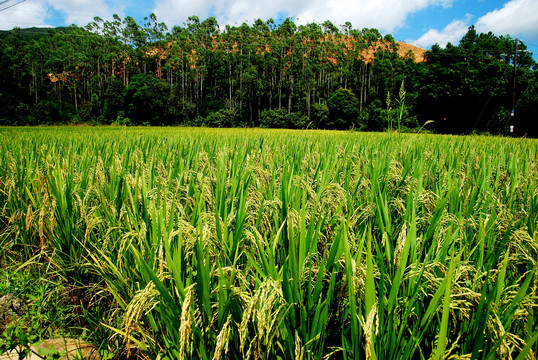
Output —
(512, 114)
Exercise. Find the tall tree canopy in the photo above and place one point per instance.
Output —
(313, 75)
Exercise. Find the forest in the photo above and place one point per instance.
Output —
(267, 74)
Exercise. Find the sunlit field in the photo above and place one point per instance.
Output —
(175, 243)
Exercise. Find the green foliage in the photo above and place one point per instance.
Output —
(91, 111)
(527, 106)
(281, 119)
(343, 110)
(255, 243)
(471, 83)
(277, 118)
(500, 123)
(40, 307)
(319, 115)
(122, 120)
(146, 100)
(398, 118)
(47, 112)
(221, 118)
(112, 99)
(161, 77)
(16, 339)
(297, 120)
(187, 113)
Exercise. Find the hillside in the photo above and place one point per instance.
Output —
(32, 33)
(330, 48)
(261, 75)
(405, 49)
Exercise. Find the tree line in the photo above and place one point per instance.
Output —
(266, 74)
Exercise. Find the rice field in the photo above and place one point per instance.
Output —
(280, 244)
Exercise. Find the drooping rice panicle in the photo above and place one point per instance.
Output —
(250, 243)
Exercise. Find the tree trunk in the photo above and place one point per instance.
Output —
(230, 84)
(291, 95)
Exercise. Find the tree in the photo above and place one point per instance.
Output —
(465, 87)
(11, 91)
(133, 33)
(329, 28)
(319, 115)
(118, 69)
(527, 106)
(113, 100)
(221, 118)
(147, 100)
(287, 28)
(343, 110)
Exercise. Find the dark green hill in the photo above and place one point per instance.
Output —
(32, 33)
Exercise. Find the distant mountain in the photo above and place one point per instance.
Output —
(31, 33)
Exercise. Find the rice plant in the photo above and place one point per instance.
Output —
(262, 244)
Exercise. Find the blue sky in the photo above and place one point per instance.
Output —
(419, 22)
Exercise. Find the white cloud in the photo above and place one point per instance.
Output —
(516, 17)
(37, 13)
(452, 33)
(26, 14)
(81, 12)
(176, 12)
(385, 15)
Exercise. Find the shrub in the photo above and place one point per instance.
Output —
(276, 118)
(319, 115)
(297, 120)
(344, 109)
(280, 118)
(221, 118)
(112, 99)
(147, 100)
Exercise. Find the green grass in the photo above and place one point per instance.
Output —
(232, 243)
